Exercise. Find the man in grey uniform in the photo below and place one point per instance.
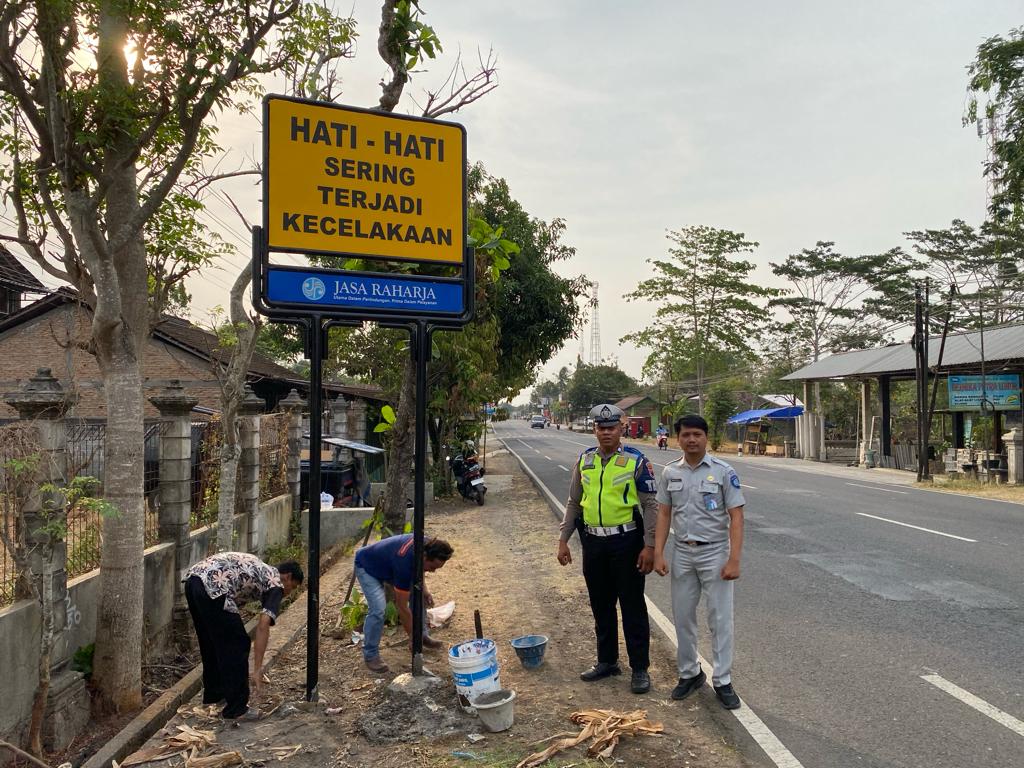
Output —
(699, 497)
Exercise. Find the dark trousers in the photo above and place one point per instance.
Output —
(224, 647)
(609, 568)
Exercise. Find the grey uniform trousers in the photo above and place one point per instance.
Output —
(695, 570)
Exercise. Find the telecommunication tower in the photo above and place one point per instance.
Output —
(595, 329)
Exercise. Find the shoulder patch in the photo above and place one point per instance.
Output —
(734, 481)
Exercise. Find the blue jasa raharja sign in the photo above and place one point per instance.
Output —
(311, 288)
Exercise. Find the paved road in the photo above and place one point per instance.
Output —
(877, 624)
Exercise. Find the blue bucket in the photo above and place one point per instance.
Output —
(530, 649)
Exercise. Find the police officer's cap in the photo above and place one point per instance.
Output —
(606, 414)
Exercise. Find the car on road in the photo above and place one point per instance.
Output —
(537, 422)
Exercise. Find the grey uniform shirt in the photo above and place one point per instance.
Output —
(701, 498)
(648, 503)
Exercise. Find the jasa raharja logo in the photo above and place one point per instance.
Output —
(313, 288)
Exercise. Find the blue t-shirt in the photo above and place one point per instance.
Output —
(389, 560)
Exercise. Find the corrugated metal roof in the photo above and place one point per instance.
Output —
(1002, 343)
(13, 273)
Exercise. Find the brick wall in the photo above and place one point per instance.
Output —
(44, 342)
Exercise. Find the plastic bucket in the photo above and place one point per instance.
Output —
(474, 665)
(495, 709)
(530, 649)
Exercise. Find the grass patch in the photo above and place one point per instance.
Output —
(969, 487)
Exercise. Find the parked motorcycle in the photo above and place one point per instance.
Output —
(469, 475)
(662, 442)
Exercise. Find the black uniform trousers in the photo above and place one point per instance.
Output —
(609, 569)
(224, 647)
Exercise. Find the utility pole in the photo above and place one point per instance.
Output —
(919, 345)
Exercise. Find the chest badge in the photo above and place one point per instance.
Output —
(711, 478)
(621, 461)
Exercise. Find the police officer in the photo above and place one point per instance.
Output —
(612, 504)
(699, 498)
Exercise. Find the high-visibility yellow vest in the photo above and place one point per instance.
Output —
(609, 490)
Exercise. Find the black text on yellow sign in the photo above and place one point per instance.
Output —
(346, 181)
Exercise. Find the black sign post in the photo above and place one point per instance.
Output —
(355, 183)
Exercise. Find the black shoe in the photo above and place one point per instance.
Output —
(688, 685)
(727, 696)
(641, 681)
(599, 670)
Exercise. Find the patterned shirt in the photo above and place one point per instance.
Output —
(240, 578)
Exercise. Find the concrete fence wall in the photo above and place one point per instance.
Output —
(19, 623)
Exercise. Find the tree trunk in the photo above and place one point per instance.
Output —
(117, 659)
(401, 453)
(120, 329)
(226, 498)
(35, 730)
(232, 392)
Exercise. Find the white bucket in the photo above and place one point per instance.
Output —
(474, 666)
(495, 710)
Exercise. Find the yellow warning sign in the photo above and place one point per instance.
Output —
(340, 180)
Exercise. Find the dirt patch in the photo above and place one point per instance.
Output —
(505, 567)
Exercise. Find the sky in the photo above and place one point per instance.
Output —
(791, 122)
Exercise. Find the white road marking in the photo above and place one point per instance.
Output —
(759, 469)
(876, 488)
(561, 466)
(758, 731)
(917, 527)
(751, 487)
(549, 458)
(974, 702)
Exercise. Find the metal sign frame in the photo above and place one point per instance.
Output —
(315, 319)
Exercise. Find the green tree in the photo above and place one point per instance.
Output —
(980, 265)
(595, 384)
(113, 100)
(705, 304)
(996, 104)
(721, 404)
(825, 302)
(536, 308)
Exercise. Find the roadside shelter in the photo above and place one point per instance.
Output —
(982, 371)
(757, 425)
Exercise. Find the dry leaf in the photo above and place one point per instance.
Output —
(605, 726)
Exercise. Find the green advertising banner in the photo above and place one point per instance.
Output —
(1001, 392)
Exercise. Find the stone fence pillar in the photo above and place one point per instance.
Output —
(357, 420)
(249, 464)
(43, 402)
(340, 424)
(175, 515)
(293, 406)
(1014, 442)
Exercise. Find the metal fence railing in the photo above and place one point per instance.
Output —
(85, 450)
(273, 455)
(151, 480)
(207, 437)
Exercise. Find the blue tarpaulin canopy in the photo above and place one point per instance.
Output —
(748, 417)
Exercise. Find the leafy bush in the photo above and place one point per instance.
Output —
(82, 660)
